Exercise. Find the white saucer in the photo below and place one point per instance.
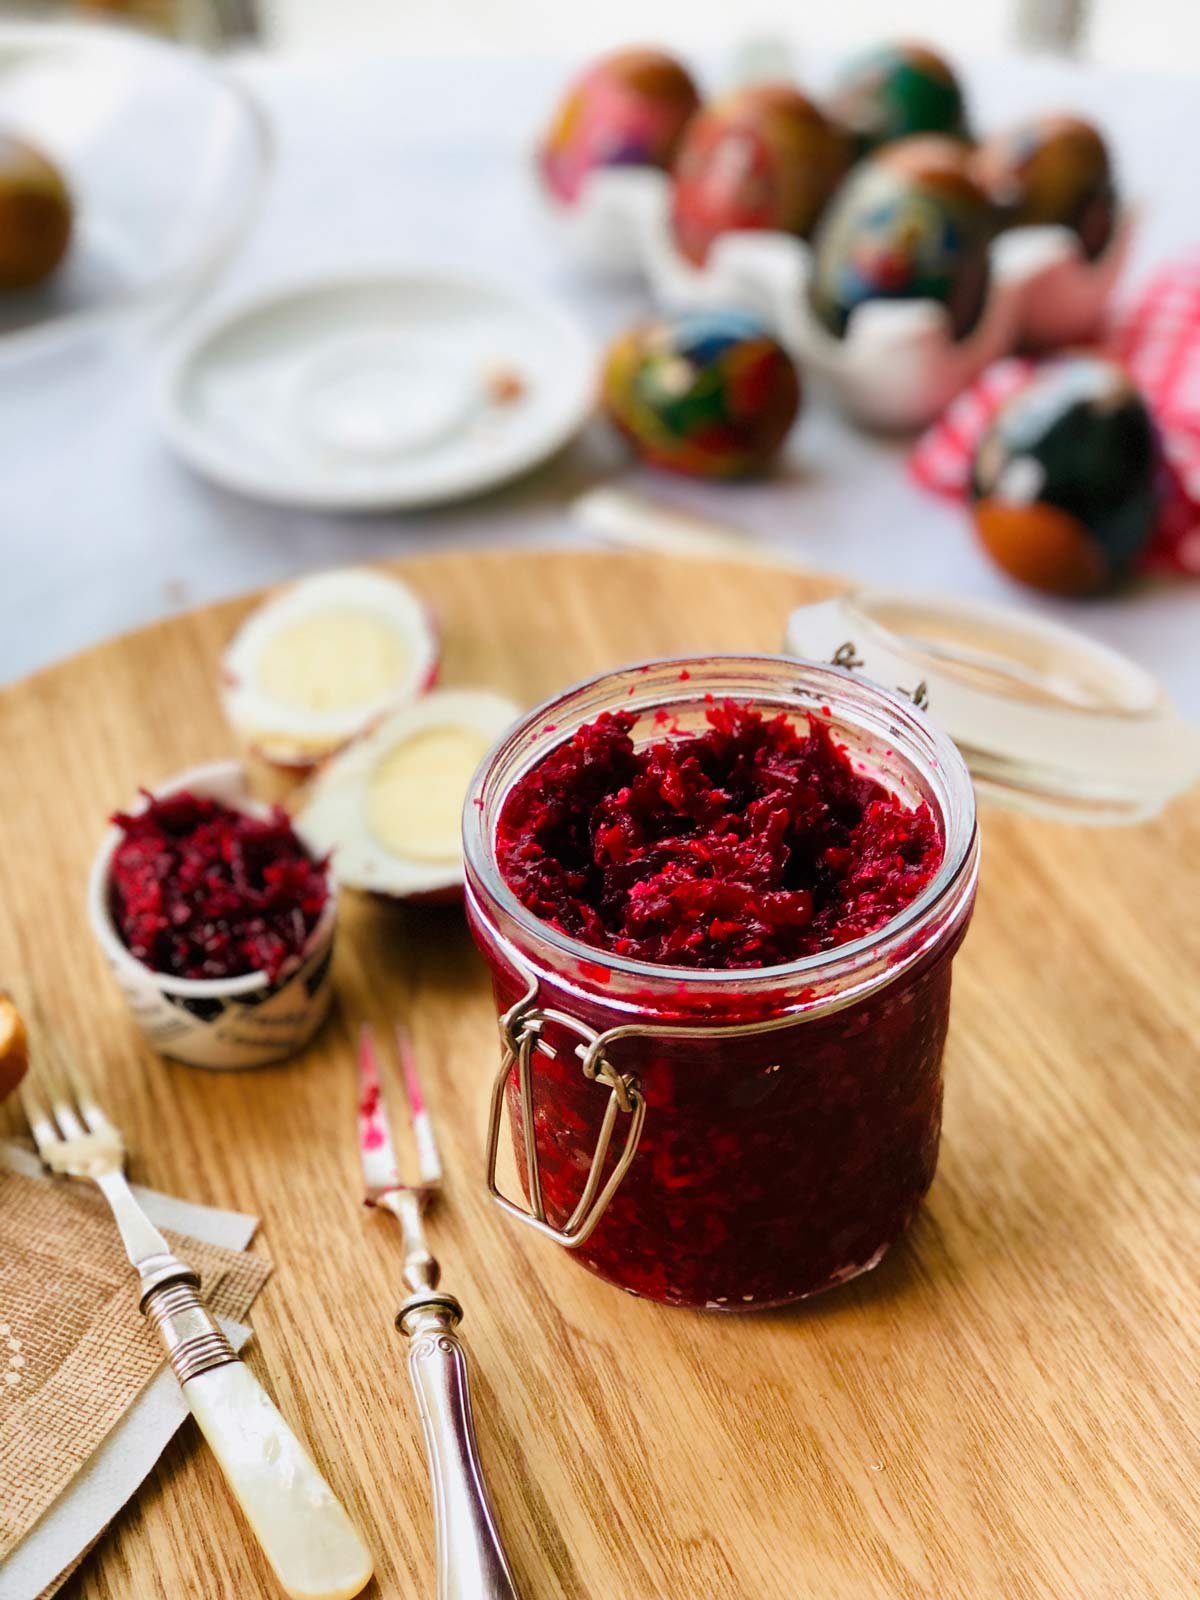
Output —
(376, 391)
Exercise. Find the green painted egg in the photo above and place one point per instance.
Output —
(709, 393)
(908, 224)
(895, 90)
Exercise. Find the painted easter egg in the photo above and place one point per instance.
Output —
(764, 157)
(906, 225)
(35, 215)
(931, 158)
(708, 393)
(1052, 169)
(895, 90)
(627, 109)
(1066, 482)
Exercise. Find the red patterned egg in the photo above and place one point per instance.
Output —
(626, 109)
(765, 157)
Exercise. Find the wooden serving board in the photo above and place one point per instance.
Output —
(1006, 1408)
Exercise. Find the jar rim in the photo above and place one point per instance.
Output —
(925, 745)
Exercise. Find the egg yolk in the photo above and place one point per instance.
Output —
(333, 661)
(414, 796)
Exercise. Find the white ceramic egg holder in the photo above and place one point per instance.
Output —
(898, 366)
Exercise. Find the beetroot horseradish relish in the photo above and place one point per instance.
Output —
(751, 844)
(200, 890)
(790, 1135)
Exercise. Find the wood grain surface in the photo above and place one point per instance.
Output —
(1006, 1408)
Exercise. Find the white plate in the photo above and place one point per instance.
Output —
(377, 391)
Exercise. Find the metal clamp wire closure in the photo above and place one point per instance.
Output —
(847, 656)
(520, 1032)
(521, 1036)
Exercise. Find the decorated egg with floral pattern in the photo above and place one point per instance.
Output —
(1066, 482)
(627, 109)
(1052, 169)
(895, 90)
(707, 393)
(764, 157)
(906, 225)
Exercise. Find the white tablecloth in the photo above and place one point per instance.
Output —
(424, 163)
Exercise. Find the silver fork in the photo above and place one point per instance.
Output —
(304, 1532)
(471, 1562)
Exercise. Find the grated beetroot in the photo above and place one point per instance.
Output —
(203, 891)
(773, 1162)
(751, 844)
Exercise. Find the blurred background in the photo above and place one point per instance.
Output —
(335, 137)
(1148, 33)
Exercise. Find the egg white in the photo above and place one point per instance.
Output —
(353, 677)
(340, 814)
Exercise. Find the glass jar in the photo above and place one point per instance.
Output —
(737, 1138)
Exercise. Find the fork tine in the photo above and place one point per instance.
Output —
(428, 1161)
(81, 1093)
(381, 1172)
(69, 1125)
(46, 1061)
(37, 1114)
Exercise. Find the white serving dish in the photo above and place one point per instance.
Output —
(898, 365)
(1049, 721)
(369, 390)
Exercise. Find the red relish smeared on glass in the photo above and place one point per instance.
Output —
(203, 891)
(751, 844)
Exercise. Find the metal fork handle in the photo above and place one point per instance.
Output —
(191, 1336)
(471, 1562)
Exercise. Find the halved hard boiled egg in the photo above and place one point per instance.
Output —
(324, 660)
(388, 811)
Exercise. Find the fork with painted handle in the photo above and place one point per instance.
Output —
(304, 1532)
(471, 1563)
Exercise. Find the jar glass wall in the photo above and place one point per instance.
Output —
(786, 1118)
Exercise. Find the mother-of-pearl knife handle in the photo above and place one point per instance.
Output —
(471, 1563)
(305, 1534)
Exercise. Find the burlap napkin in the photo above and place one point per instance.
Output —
(75, 1352)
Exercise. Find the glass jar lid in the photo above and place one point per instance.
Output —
(1048, 720)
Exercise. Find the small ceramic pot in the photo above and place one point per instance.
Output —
(216, 1022)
